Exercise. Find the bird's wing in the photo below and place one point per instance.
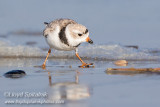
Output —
(50, 27)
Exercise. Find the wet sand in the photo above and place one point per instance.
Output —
(77, 86)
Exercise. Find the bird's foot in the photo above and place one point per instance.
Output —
(85, 65)
(43, 66)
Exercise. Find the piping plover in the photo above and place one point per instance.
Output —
(66, 35)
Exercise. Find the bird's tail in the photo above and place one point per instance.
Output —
(46, 23)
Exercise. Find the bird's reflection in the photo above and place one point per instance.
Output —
(69, 90)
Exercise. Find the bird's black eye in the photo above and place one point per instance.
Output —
(79, 34)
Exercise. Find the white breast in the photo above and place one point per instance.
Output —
(54, 41)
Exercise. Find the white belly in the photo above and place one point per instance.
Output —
(55, 43)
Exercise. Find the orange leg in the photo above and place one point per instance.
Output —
(44, 64)
(84, 65)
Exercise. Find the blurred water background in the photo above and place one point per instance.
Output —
(112, 23)
(128, 22)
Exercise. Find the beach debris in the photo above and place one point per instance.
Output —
(3, 36)
(121, 63)
(31, 43)
(28, 33)
(15, 74)
(130, 71)
(132, 46)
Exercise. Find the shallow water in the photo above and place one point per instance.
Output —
(112, 26)
(77, 86)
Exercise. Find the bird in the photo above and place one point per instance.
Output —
(66, 35)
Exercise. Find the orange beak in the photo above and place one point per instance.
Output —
(89, 40)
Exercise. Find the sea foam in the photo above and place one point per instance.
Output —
(93, 52)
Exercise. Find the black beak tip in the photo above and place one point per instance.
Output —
(90, 41)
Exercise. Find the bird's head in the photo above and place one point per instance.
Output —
(79, 32)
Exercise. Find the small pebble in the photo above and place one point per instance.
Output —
(121, 63)
(15, 74)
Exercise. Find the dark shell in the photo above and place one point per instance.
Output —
(15, 74)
